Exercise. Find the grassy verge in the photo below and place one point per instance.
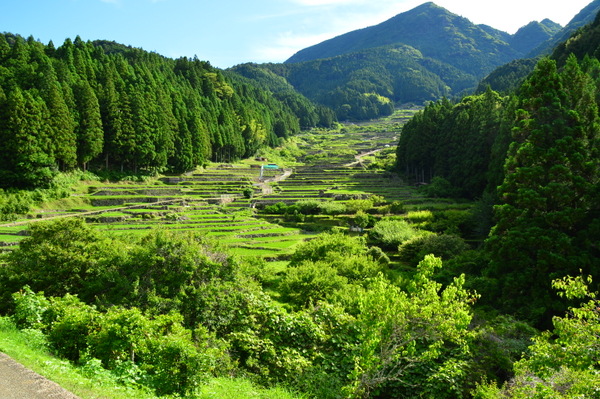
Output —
(28, 347)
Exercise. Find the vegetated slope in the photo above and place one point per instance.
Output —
(584, 42)
(509, 76)
(433, 30)
(584, 17)
(105, 105)
(420, 55)
(532, 34)
(366, 84)
(309, 113)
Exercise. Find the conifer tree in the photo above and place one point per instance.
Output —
(546, 193)
(90, 136)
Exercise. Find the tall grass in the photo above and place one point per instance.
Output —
(29, 347)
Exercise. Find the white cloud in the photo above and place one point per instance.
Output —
(313, 3)
(286, 45)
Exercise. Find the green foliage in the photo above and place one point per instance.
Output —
(332, 208)
(310, 282)
(431, 148)
(413, 342)
(29, 308)
(443, 246)
(59, 257)
(389, 233)
(549, 194)
(563, 362)
(105, 106)
(439, 188)
(497, 344)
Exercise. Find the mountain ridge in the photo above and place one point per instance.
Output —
(437, 33)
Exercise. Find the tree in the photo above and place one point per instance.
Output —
(413, 343)
(563, 362)
(26, 159)
(548, 193)
(63, 256)
(90, 136)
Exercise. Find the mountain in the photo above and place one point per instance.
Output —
(584, 17)
(576, 37)
(532, 34)
(436, 33)
(417, 56)
(585, 42)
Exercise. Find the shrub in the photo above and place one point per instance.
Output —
(356, 205)
(332, 208)
(29, 308)
(439, 188)
(248, 192)
(458, 222)
(417, 217)
(443, 246)
(390, 233)
(310, 282)
(70, 322)
(309, 206)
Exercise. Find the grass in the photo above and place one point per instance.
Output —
(241, 389)
(28, 348)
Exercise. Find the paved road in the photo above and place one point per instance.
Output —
(18, 382)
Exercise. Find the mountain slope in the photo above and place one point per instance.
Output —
(532, 34)
(577, 37)
(367, 83)
(584, 17)
(436, 33)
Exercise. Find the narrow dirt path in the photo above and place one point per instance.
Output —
(266, 188)
(359, 157)
(90, 213)
(18, 382)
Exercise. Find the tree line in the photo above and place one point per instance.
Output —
(535, 155)
(102, 105)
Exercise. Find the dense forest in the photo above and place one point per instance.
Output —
(103, 105)
(417, 56)
(494, 300)
(535, 153)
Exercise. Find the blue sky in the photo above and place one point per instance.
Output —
(230, 32)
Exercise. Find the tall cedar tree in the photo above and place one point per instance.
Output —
(548, 195)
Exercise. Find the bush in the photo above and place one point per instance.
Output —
(356, 205)
(457, 222)
(310, 282)
(309, 206)
(332, 208)
(70, 322)
(439, 188)
(417, 217)
(443, 246)
(389, 233)
(248, 192)
(29, 308)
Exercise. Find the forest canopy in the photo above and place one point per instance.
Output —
(104, 105)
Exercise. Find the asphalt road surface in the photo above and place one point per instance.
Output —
(18, 382)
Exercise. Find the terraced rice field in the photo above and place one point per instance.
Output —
(214, 200)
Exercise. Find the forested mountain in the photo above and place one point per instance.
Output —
(437, 33)
(584, 17)
(368, 83)
(420, 55)
(530, 35)
(535, 154)
(104, 105)
(509, 76)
